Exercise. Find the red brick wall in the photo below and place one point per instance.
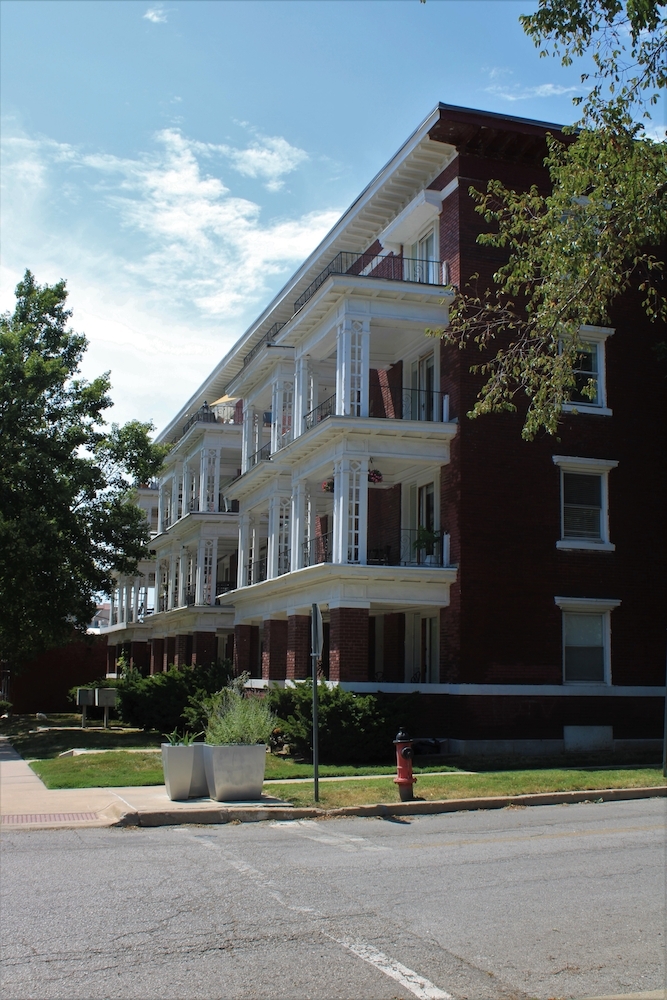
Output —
(169, 652)
(181, 651)
(43, 683)
(274, 649)
(348, 644)
(298, 646)
(384, 523)
(204, 648)
(242, 648)
(140, 656)
(385, 396)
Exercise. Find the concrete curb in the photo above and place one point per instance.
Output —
(257, 814)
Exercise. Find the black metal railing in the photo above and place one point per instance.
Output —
(413, 547)
(318, 549)
(268, 337)
(204, 415)
(223, 587)
(372, 265)
(423, 404)
(321, 412)
(263, 455)
(189, 598)
(256, 571)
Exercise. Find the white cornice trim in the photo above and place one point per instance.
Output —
(576, 464)
(587, 604)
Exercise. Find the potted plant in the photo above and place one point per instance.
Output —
(239, 729)
(425, 543)
(183, 765)
(374, 476)
(328, 486)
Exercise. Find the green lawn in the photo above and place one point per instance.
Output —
(42, 740)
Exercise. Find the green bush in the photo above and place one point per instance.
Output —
(239, 720)
(353, 729)
(5, 707)
(158, 701)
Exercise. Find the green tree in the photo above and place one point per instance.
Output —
(600, 230)
(68, 519)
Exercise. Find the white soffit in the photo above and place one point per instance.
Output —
(407, 226)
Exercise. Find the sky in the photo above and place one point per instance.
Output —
(175, 162)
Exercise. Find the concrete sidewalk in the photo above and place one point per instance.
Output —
(26, 803)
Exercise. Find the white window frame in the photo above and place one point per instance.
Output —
(591, 606)
(597, 337)
(587, 466)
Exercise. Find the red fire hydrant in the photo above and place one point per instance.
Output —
(404, 778)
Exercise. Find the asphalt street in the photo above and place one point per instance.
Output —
(554, 901)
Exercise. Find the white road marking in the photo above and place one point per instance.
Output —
(312, 830)
(418, 985)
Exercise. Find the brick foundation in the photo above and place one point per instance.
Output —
(140, 656)
(246, 650)
(348, 638)
(169, 652)
(181, 651)
(274, 649)
(394, 648)
(298, 647)
(111, 659)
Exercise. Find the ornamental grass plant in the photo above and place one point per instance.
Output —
(239, 720)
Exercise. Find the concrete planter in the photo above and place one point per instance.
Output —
(235, 773)
(184, 773)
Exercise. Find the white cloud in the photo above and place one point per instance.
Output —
(165, 265)
(267, 158)
(519, 93)
(157, 15)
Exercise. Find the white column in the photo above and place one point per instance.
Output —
(128, 601)
(247, 436)
(135, 598)
(186, 488)
(272, 542)
(350, 510)
(216, 481)
(352, 367)
(179, 499)
(182, 575)
(160, 509)
(112, 605)
(298, 533)
(214, 569)
(244, 545)
(199, 587)
(171, 579)
(300, 396)
(276, 414)
(203, 455)
(341, 490)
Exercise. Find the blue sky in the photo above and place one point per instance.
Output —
(175, 162)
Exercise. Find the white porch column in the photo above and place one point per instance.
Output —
(179, 501)
(112, 605)
(128, 601)
(350, 510)
(201, 566)
(244, 546)
(298, 533)
(352, 367)
(171, 581)
(213, 562)
(203, 456)
(182, 576)
(272, 541)
(248, 436)
(300, 396)
(120, 602)
(187, 487)
(135, 599)
(216, 481)
(160, 509)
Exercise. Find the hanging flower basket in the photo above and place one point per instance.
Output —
(374, 476)
(328, 486)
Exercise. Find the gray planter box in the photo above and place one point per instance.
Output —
(235, 773)
(184, 774)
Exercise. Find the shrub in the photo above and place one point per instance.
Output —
(5, 707)
(239, 720)
(353, 729)
(158, 701)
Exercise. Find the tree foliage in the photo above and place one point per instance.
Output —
(68, 519)
(601, 229)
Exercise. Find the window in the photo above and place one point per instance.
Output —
(590, 368)
(584, 503)
(586, 639)
(421, 263)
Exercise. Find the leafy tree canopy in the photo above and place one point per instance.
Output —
(68, 519)
(571, 252)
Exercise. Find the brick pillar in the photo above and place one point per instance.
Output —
(181, 651)
(242, 644)
(140, 656)
(298, 646)
(169, 652)
(111, 659)
(204, 648)
(229, 647)
(157, 655)
(274, 649)
(394, 647)
(348, 653)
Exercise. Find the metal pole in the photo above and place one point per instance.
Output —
(106, 716)
(83, 716)
(313, 661)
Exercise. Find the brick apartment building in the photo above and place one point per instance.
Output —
(505, 581)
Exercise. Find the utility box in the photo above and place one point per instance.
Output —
(105, 697)
(85, 696)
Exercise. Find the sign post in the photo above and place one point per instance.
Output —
(316, 645)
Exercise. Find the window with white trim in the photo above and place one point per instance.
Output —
(586, 639)
(584, 503)
(590, 372)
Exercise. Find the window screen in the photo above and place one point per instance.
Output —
(583, 639)
(582, 506)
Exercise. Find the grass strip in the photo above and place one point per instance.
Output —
(101, 770)
(463, 786)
